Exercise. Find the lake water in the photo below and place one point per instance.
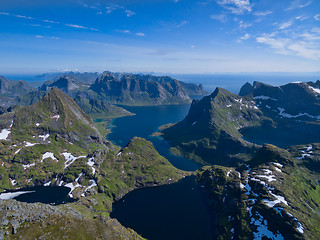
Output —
(48, 195)
(176, 211)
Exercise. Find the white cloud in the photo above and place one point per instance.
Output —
(264, 13)
(317, 17)
(244, 25)
(236, 6)
(306, 44)
(245, 37)
(25, 17)
(140, 34)
(80, 27)
(39, 36)
(49, 21)
(4, 13)
(285, 24)
(219, 17)
(123, 31)
(299, 4)
(129, 13)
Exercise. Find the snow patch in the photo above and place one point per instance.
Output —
(56, 117)
(278, 164)
(47, 184)
(4, 134)
(11, 195)
(265, 98)
(316, 90)
(270, 178)
(28, 144)
(70, 159)
(277, 169)
(28, 165)
(91, 163)
(13, 182)
(44, 137)
(279, 199)
(48, 155)
(72, 187)
(93, 184)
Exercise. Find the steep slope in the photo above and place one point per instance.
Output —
(9, 90)
(295, 107)
(78, 90)
(134, 90)
(54, 143)
(65, 84)
(56, 113)
(274, 196)
(210, 130)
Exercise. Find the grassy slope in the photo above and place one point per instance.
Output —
(297, 184)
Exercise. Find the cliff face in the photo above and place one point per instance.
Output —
(133, 90)
(10, 90)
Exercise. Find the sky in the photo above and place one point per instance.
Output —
(168, 36)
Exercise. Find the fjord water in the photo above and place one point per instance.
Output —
(175, 211)
(146, 121)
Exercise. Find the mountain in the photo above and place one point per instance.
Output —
(54, 143)
(210, 131)
(139, 90)
(216, 126)
(294, 107)
(273, 196)
(10, 89)
(65, 84)
(83, 77)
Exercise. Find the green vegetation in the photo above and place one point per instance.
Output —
(239, 196)
(53, 142)
(209, 133)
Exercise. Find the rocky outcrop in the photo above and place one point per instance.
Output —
(37, 221)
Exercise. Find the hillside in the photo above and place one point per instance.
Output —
(54, 143)
(274, 195)
(210, 131)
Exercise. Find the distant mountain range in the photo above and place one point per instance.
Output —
(97, 93)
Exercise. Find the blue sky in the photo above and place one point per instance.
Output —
(170, 36)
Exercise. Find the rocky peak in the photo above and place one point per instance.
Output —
(65, 84)
(246, 89)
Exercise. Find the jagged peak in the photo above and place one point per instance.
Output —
(246, 89)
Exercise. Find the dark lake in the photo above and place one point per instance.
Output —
(176, 211)
(49, 195)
